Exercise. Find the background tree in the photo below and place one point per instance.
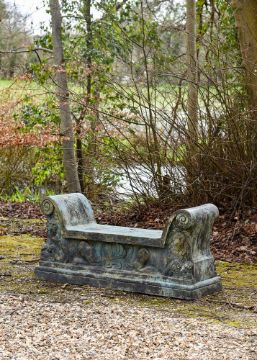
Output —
(14, 37)
(129, 96)
(192, 75)
(246, 21)
(69, 160)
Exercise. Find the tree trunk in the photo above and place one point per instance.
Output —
(89, 42)
(86, 11)
(90, 92)
(245, 12)
(192, 102)
(69, 160)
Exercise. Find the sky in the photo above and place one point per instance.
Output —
(35, 11)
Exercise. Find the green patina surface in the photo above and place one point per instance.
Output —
(173, 263)
(234, 306)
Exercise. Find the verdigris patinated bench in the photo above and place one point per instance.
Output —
(175, 262)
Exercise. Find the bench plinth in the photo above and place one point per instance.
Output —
(175, 262)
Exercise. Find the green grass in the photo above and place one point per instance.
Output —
(18, 84)
(5, 83)
(17, 90)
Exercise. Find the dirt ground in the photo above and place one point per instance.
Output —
(40, 320)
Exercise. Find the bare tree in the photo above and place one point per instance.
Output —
(246, 21)
(13, 37)
(69, 160)
(192, 102)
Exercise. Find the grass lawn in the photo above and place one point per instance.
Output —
(5, 83)
(17, 84)
(16, 90)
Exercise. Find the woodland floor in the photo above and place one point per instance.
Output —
(40, 320)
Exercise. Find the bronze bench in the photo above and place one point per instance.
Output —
(175, 262)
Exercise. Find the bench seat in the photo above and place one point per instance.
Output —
(116, 234)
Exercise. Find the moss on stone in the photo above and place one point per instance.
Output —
(234, 306)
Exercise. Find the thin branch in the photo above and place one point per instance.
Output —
(17, 51)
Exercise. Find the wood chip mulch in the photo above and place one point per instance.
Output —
(43, 330)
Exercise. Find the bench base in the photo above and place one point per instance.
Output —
(160, 286)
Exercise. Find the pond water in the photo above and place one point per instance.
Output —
(139, 180)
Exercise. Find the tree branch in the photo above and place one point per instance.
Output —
(17, 51)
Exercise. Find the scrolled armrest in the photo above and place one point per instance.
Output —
(194, 226)
(187, 218)
(71, 209)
